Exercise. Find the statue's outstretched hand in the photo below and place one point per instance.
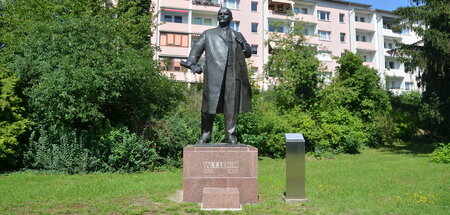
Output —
(193, 67)
(196, 69)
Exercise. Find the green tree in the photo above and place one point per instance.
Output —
(12, 123)
(430, 20)
(86, 70)
(294, 66)
(358, 89)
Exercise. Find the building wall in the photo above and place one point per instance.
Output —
(362, 27)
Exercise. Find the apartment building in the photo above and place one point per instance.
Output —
(332, 25)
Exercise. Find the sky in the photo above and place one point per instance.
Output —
(384, 4)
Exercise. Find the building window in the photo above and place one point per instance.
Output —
(254, 27)
(170, 18)
(172, 39)
(304, 11)
(361, 38)
(232, 4)
(324, 35)
(390, 46)
(323, 15)
(197, 21)
(207, 21)
(254, 49)
(306, 32)
(342, 37)
(234, 25)
(408, 86)
(254, 6)
(341, 17)
(202, 21)
(365, 58)
(178, 19)
(360, 19)
(296, 10)
(389, 64)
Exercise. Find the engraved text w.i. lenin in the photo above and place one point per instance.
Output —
(231, 167)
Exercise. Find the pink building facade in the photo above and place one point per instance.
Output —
(332, 25)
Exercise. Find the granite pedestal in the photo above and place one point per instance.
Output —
(222, 172)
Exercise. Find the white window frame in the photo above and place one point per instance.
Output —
(324, 35)
(327, 15)
(232, 4)
(234, 25)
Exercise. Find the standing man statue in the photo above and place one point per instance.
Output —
(226, 86)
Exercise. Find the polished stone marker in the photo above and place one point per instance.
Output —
(295, 168)
(220, 168)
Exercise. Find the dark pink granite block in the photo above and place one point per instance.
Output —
(221, 198)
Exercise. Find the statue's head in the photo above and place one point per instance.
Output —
(224, 16)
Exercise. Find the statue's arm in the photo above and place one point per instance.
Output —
(195, 54)
(245, 46)
(197, 50)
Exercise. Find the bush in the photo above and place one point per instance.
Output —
(80, 151)
(441, 154)
(405, 111)
(341, 132)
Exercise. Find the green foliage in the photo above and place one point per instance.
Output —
(181, 127)
(12, 123)
(335, 131)
(86, 68)
(406, 114)
(441, 154)
(295, 67)
(80, 151)
(357, 88)
(429, 19)
(341, 131)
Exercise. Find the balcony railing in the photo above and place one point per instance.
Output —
(206, 2)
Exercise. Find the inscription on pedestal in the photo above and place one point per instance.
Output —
(210, 167)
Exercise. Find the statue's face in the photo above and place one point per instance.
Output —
(224, 16)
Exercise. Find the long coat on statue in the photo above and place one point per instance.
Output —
(216, 47)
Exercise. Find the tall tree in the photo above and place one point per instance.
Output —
(294, 66)
(430, 20)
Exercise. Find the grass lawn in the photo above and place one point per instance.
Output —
(390, 181)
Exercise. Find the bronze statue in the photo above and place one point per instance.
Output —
(226, 86)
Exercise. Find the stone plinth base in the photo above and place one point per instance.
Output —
(220, 167)
(220, 198)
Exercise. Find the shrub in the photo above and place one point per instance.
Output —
(341, 132)
(405, 111)
(78, 151)
(441, 154)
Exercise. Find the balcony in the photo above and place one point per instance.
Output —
(174, 51)
(365, 26)
(395, 73)
(280, 9)
(174, 27)
(389, 33)
(175, 3)
(184, 76)
(309, 18)
(365, 46)
(205, 5)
